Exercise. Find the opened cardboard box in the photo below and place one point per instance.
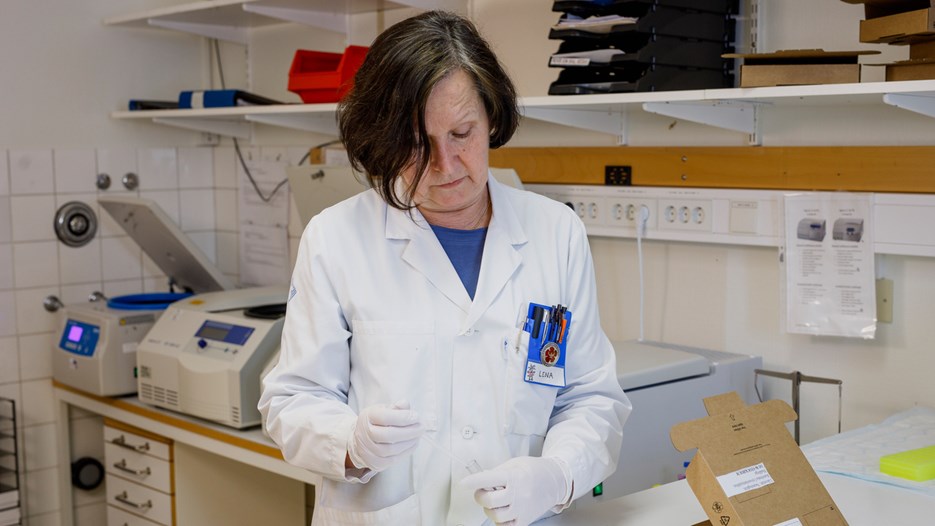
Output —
(748, 470)
(793, 67)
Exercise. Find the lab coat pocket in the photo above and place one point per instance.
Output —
(528, 405)
(393, 360)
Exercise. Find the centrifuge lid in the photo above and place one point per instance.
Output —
(166, 244)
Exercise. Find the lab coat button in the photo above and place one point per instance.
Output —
(467, 432)
(469, 331)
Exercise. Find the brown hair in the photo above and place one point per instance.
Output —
(382, 118)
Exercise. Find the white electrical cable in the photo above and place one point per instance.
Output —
(642, 220)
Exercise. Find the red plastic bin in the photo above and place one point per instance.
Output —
(317, 76)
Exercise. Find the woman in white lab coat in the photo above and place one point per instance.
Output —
(405, 350)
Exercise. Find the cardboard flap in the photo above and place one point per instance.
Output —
(723, 403)
(778, 410)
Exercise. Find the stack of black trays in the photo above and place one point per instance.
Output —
(673, 45)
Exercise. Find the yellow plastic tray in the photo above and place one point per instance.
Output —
(916, 464)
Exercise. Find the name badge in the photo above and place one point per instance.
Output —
(548, 329)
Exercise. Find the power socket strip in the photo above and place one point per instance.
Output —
(745, 217)
(733, 217)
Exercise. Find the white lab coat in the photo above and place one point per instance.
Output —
(378, 314)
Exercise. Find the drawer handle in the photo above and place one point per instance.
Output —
(122, 466)
(122, 497)
(122, 442)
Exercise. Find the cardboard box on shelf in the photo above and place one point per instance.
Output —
(918, 69)
(798, 67)
(748, 470)
(896, 21)
(878, 8)
(922, 49)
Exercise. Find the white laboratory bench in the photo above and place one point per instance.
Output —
(863, 503)
(246, 466)
(270, 479)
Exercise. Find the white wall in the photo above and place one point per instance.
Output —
(63, 72)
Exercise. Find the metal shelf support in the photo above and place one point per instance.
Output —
(612, 123)
(227, 128)
(923, 104)
(732, 115)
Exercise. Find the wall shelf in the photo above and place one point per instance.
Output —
(737, 109)
(231, 20)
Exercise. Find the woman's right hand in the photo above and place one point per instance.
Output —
(384, 434)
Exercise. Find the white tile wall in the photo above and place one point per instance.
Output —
(42, 496)
(9, 357)
(6, 230)
(35, 264)
(31, 172)
(80, 264)
(31, 316)
(225, 167)
(121, 258)
(225, 210)
(37, 403)
(228, 253)
(72, 294)
(4, 174)
(32, 217)
(197, 187)
(35, 358)
(195, 168)
(75, 171)
(197, 210)
(42, 452)
(122, 287)
(7, 313)
(158, 169)
(6, 266)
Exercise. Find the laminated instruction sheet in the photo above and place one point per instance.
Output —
(830, 279)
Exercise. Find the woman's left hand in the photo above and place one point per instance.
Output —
(520, 490)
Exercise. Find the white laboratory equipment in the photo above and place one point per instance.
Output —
(667, 384)
(97, 341)
(204, 355)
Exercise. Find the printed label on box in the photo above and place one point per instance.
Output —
(744, 480)
(790, 522)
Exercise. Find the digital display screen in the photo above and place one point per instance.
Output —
(79, 338)
(213, 332)
(74, 333)
(224, 332)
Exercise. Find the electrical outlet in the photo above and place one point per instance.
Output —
(589, 209)
(625, 212)
(685, 214)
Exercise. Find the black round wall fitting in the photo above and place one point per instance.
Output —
(87, 473)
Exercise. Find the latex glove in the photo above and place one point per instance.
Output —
(383, 434)
(520, 490)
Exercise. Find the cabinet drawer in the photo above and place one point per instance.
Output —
(149, 471)
(139, 500)
(118, 517)
(137, 442)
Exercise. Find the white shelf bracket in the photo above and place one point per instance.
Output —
(731, 115)
(226, 33)
(612, 123)
(336, 22)
(922, 104)
(227, 128)
(321, 124)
